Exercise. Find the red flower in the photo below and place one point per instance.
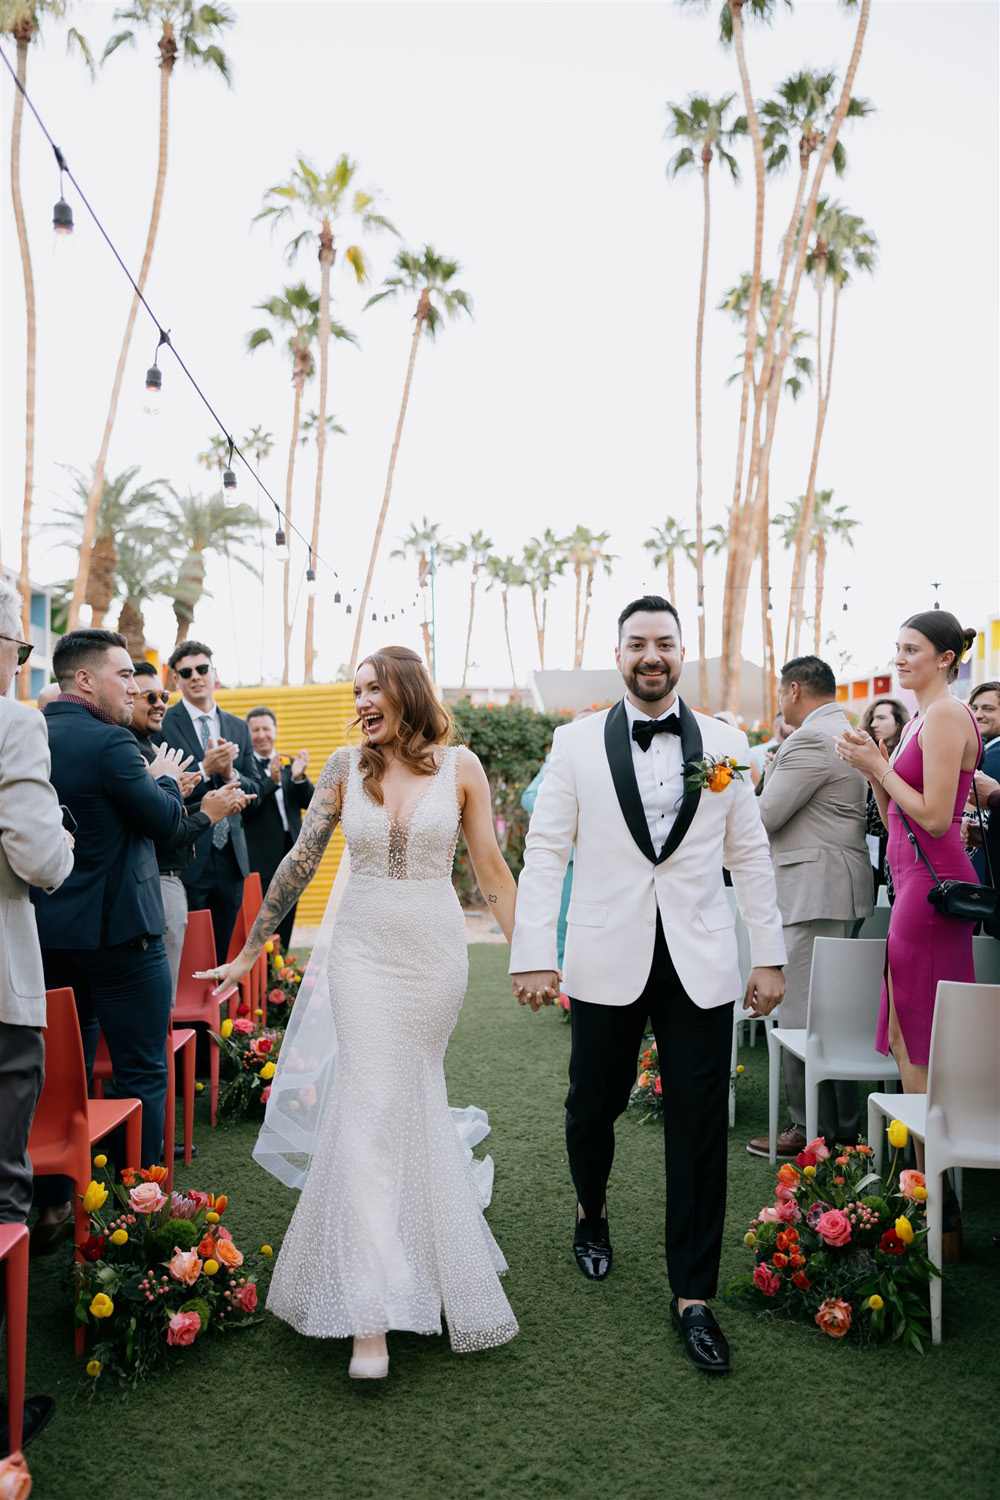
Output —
(801, 1280)
(658, 1085)
(806, 1159)
(92, 1247)
(782, 1241)
(795, 1261)
(891, 1244)
(780, 1261)
(275, 997)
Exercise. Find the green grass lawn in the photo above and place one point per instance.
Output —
(593, 1400)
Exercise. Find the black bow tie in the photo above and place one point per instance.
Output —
(644, 729)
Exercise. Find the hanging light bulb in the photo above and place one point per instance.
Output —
(701, 599)
(347, 611)
(336, 597)
(312, 587)
(152, 400)
(229, 496)
(769, 605)
(62, 219)
(281, 546)
(846, 587)
(374, 618)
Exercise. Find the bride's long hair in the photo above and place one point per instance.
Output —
(423, 720)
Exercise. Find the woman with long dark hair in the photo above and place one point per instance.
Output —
(884, 719)
(389, 1228)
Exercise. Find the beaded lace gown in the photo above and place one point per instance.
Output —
(389, 1229)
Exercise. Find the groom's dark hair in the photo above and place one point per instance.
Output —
(652, 604)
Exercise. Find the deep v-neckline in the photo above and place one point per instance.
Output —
(393, 822)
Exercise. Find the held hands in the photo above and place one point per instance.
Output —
(765, 990)
(219, 756)
(169, 763)
(860, 751)
(537, 987)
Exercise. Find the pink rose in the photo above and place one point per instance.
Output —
(308, 1095)
(768, 1215)
(261, 1046)
(146, 1198)
(265, 1093)
(909, 1182)
(243, 1027)
(185, 1266)
(246, 1298)
(200, 1200)
(787, 1211)
(783, 1193)
(819, 1148)
(275, 997)
(222, 1233)
(766, 1280)
(184, 1328)
(658, 1085)
(834, 1226)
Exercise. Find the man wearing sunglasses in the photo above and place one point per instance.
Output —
(220, 743)
(173, 855)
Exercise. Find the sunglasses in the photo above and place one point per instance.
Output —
(153, 698)
(201, 669)
(23, 649)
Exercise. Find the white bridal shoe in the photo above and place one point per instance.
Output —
(368, 1367)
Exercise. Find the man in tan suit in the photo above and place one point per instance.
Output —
(813, 807)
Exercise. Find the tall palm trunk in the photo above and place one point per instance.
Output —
(753, 125)
(820, 581)
(101, 579)
(23, 34)
(326, 258)
(586, 614)
(298, 381)
(802, 538)
(504, 598)
(758, 513)
(168, 53)
(132, 626)
(468, 633)
(671, 578)
(423, 308)
(699, 533)
(539, 625)
(768, 678)
(577, 653)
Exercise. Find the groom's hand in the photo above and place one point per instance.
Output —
(765, 990)
(537, 988)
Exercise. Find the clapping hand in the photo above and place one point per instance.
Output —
(167, 762)
(536, 988)
(219, 756)
(274, 768)
(860, 751)
(300, 765)
(223, 801)
(189, 780)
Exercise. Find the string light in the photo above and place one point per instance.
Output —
(701, 598)
(230, 499)
(153, 398)
(62, 214)
(846, 590)
(311, 585)
(770, 606)
(937, 602)
(336, 597)
(281, 551)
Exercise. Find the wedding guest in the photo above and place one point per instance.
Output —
(927, 781)
(884, 720)
(274, 824)
(761, 756)
(985, 704)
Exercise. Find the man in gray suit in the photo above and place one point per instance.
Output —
(34, 850)
(813, 807)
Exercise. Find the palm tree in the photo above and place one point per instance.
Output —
(584, 551)
(327, 200)
(428, 275)
(216, 455)
(201, 526)
(543, 561)
(477, 551)
(22, 19)
(188, 30)
(829, 522)
(665, 543)
(424, 542)
(843, 243)
(506, 573)
(125, 509)
(146, 569)
(702, 127)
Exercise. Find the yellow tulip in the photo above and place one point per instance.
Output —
(212, 1218)
(266, 1250)
(93, 1368)
(210, 1267)
(267, 1071)
(226, 1029)
(875, 1302)
(279, 962)
(809, 1171)
(120, 1237)
(898, 1134)
(100, 1161)
(905, 1230)
(269, 946)
(102, 1306)
(94, 1197)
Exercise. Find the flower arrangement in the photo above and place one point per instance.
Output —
(284, 974)
(645, 1102)
(249, 1059)
(561, 1005)
(843, 1248)
(156, 1272)
(714, 773)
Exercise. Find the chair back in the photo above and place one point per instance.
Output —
(742, 942)
(61, 1115)
(194, 996)
(253, 900)
(986, 960)
(963, 1079)
(845, 985)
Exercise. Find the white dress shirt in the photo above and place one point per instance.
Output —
(264, 761)
(659, 773)
(197, 714)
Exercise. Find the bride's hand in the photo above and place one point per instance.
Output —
(228, 976)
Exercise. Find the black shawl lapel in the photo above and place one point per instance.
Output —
(618, 746)
(691, 752)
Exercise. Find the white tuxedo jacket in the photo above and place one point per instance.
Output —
(589, 798)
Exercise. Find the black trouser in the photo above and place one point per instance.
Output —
(694, 1048)
(22, 1059)
(125, 992)
(218, 888)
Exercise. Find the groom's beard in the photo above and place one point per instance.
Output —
(652, 689)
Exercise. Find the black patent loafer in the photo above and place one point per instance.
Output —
(704, 1342)
(592, 1248)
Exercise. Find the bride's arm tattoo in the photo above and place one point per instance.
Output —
(302, 861)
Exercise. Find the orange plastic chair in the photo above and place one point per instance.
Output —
(14, 1476)
(253, 988)
(177, 1041)
(67, 1124)
(195, 1001)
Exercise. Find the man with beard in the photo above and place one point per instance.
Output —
(650, 936)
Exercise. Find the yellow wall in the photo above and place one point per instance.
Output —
(313, 718)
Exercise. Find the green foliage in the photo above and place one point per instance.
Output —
(512, 741)
(163, 1239)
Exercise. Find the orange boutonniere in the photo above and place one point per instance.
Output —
(714, 775)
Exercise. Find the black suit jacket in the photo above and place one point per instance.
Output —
(267, 841)
(113, 891)
(179, 732)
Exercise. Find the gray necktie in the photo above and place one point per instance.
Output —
(220, 830)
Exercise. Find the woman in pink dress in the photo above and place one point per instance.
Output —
(928, 778)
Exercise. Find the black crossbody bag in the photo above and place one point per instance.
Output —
(964, 899)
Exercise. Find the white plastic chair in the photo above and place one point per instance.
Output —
(958, 1119)
(741, 1017)
(838, 1040)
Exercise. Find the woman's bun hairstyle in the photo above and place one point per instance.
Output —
(944, 633)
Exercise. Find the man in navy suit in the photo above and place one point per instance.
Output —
(101, 932)
(220, 745)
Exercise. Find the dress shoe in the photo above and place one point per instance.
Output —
(47, 1233)
(369, 1367)
(37, 1411)
(592, 1248)
(704, 1342)
(789, 1143)
(179, 1151)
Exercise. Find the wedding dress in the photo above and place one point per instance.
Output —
(389, 1228)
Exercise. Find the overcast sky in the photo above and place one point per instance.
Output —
(526, 141)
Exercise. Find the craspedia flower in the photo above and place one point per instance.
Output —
(266, 1250)
(211, 1267)
(212, 1217)
(750, 1239)
(93, 1368)
(100, 1161)
(740, 1068)
(199, 1088)
(875, 1302)
(120, 1237)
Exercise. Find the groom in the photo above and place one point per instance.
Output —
(650, 936)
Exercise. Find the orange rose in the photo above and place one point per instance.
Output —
(796, 1260)
(863, 1150)
(720, 779)
(834, 1317)
(227, 1255)
(782, 1241)
(780, 1261)
(129, 1175)
(207, 1248)
(792, 1235)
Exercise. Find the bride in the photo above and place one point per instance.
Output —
(389, 1227)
